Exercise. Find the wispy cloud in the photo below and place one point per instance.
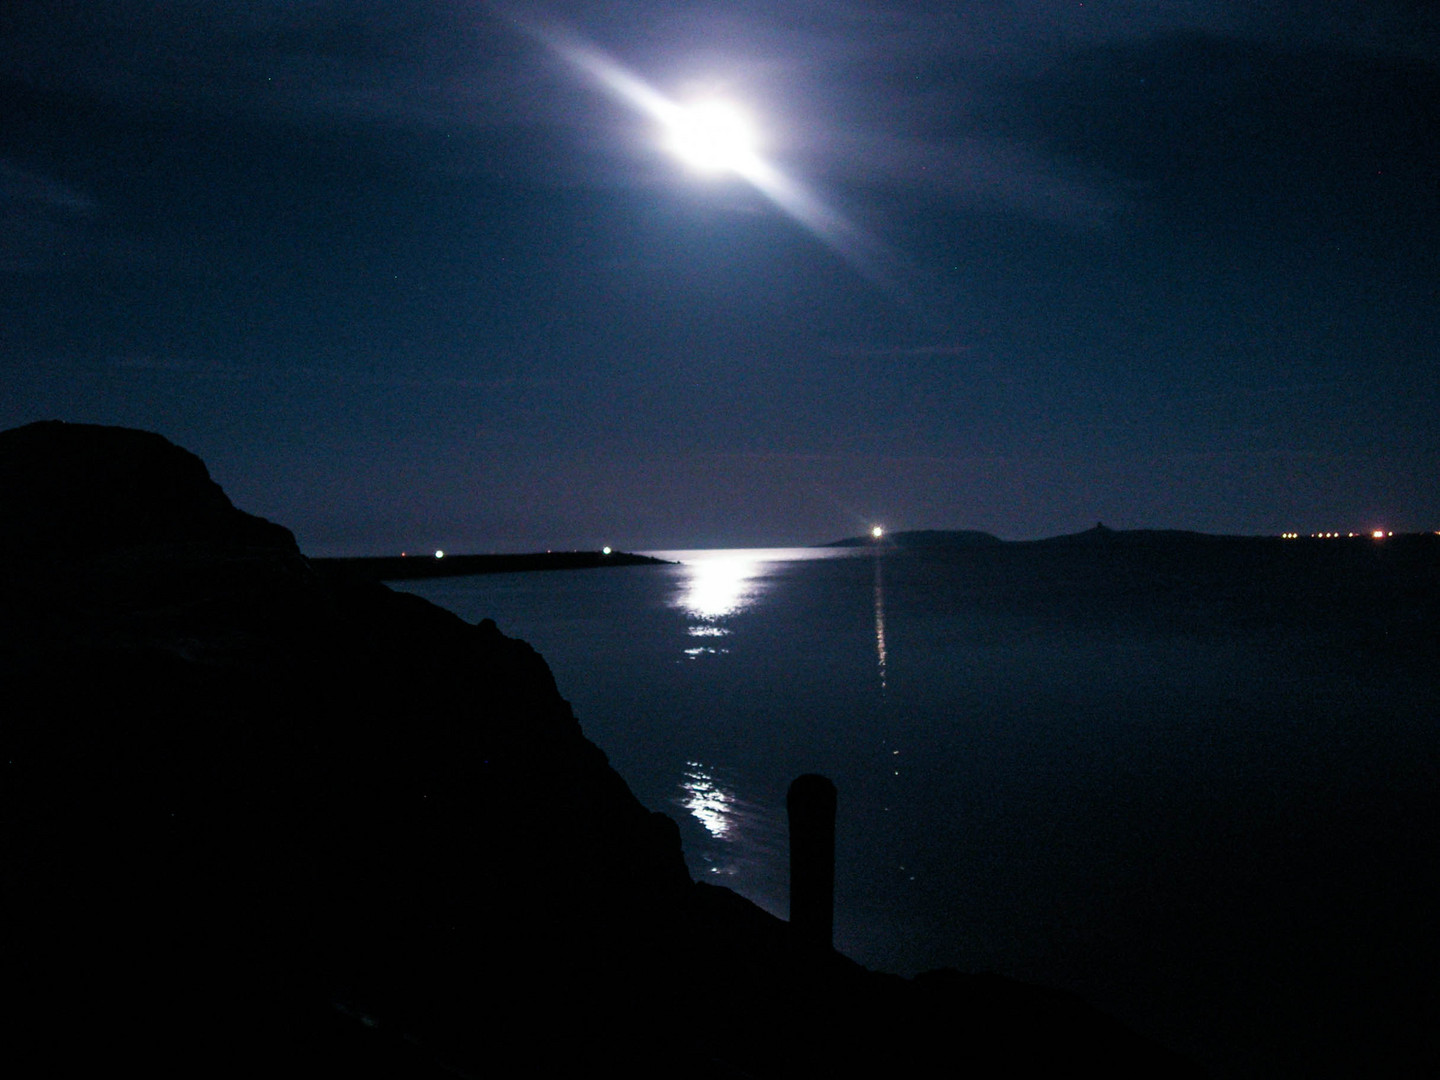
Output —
(885, 96)
(41, 220)
(202, 369)
(861, 351)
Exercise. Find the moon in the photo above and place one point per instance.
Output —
(715, 137)
(712, 136)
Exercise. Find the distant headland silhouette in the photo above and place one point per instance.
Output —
(416, 567)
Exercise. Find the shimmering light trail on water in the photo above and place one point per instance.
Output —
(719, 584)
(880, 620)
(719, 587)
(707, 801)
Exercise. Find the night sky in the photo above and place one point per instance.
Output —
(415, 275)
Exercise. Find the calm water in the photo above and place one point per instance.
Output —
(1211, 819)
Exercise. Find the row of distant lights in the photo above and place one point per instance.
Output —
(1378, 534)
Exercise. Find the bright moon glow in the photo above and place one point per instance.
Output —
(877, 532)
(712, 136)
(715, 136)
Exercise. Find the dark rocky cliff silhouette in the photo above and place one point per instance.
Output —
(257, 816)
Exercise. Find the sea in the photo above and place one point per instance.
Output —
(1201, 796)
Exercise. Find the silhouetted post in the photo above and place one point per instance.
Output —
(810, 803)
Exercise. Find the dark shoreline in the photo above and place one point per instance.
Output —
(411, 568)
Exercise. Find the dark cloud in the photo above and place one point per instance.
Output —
(889, 95)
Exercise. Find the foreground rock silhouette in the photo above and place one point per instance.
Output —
(257, 816)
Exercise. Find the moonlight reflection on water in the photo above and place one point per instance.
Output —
(718, 588)
(710, 803)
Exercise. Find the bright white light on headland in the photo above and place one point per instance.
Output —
(877, 532)
(605, 550)
(1378, 534)
(439, 554)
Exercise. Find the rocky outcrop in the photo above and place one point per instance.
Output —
(257, 815)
